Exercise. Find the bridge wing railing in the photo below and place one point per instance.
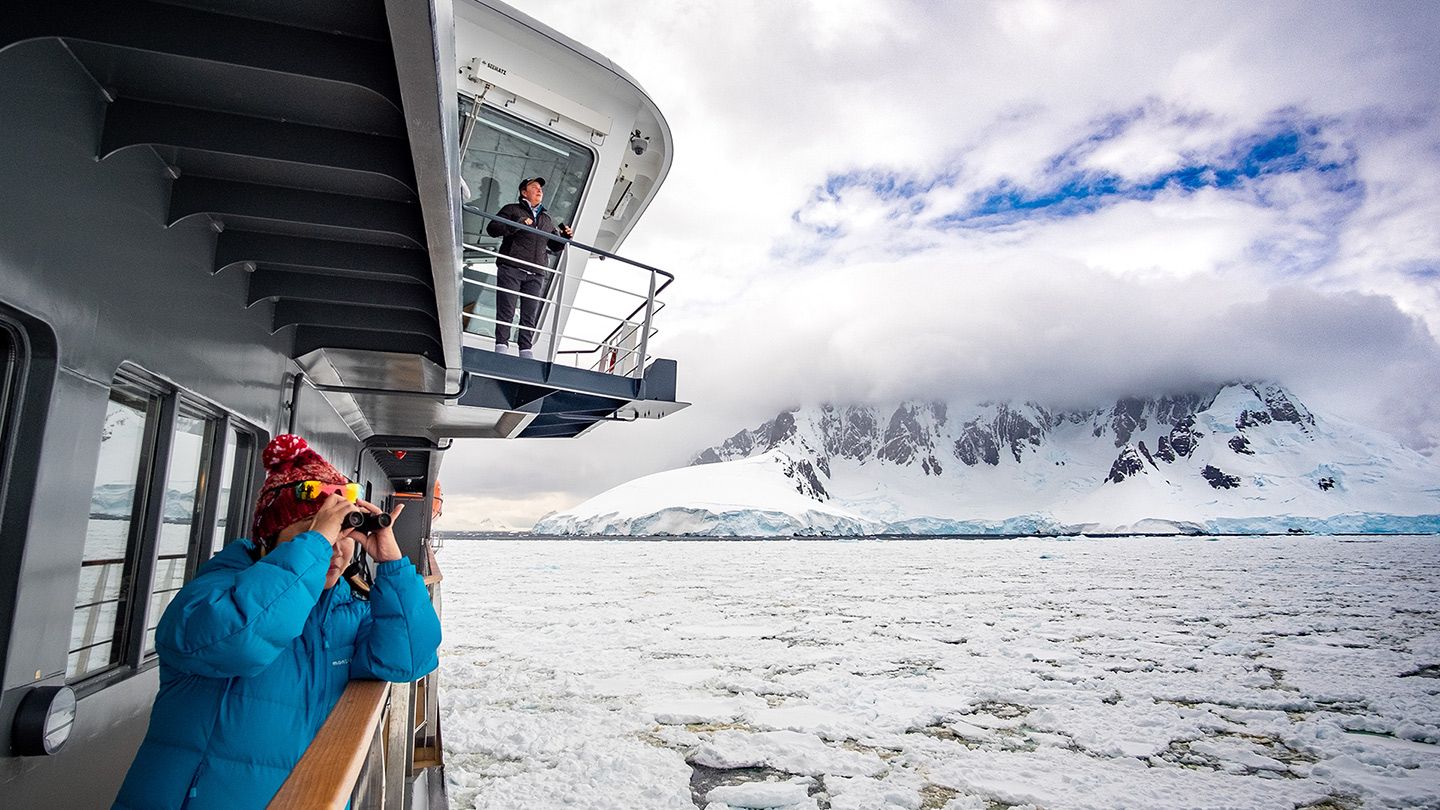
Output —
(601, 325)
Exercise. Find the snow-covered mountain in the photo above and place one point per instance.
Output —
(1247, 458)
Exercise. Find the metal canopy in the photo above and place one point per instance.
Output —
(283, 124)
(405, 463)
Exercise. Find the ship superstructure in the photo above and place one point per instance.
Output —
(225, 220)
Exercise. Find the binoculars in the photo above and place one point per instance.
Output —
(367, 522)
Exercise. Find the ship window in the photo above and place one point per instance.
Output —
(498, 151)
(218, 535)
(236, 467)
(96, 630)
(172, 476)
(9, 375)
(27, 380)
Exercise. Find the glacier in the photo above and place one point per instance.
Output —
(1244, 458)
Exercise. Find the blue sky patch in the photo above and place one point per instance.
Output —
(1067, 185)
(1066, 189)
(1290, 145)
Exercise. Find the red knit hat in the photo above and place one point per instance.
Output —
(288, 460)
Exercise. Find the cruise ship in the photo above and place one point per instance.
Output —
(224, 220)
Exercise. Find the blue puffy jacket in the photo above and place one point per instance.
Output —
(253, 656)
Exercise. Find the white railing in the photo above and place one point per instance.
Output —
(605, 326)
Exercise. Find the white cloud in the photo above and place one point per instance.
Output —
(1167, 237)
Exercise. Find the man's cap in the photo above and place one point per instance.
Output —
(527, 181)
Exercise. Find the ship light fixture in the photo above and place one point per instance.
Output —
(44, 720)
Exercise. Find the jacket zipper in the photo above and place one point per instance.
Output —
(209, 741)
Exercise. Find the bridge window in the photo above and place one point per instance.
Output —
(498, 150)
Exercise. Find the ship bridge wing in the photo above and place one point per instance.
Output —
(320, 142)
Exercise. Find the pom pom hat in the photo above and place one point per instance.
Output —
(288, 460)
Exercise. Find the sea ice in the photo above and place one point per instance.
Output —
(788, 751)
(960, 674)
(792, 794)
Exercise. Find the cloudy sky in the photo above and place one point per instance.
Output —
(1057, 200)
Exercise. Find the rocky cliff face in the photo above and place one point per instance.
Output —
(1147, 436)
(1242, 458)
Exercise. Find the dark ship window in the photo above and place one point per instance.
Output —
(9, 376)
(236, 468)
(97, 628)
(190, 532)
(165, 499)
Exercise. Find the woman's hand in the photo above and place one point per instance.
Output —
(380, 545)
(330, 520)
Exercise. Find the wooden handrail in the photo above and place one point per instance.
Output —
(434, 577)
(325, 776)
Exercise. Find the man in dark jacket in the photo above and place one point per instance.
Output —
(524, 260)
(257, 648)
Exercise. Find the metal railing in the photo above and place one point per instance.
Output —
(87, 643)
(619, 320)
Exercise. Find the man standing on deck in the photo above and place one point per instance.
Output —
(525, 275)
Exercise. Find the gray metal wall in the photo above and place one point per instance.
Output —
(84, 248)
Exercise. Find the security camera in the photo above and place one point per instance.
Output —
(638, 145)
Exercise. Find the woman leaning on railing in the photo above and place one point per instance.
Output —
(257, 649)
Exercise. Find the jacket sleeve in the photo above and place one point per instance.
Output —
(498, 229)
(398, 641)
(233, 623)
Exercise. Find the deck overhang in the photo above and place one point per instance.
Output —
(557, 401)
(498, 397)
(316, 139)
